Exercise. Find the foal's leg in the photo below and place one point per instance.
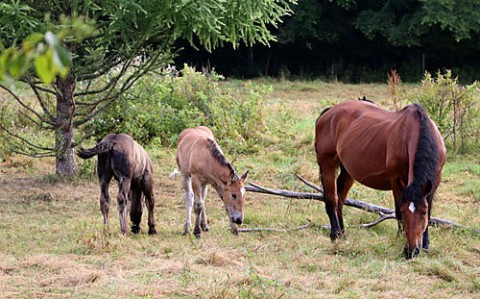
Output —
(122, 198)
(104, 202)
(147, 188)
(104, 177)
(136, 207)
(328, 172)
(188, 199)
(344, 183)
(197, 204)
(203, 219)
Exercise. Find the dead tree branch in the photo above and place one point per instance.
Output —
(384, 213)
(258, 229)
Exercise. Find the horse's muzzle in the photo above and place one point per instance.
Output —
(411, 253)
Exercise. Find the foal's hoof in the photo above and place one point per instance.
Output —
(152, 231)
(135, 229)
(197, 232)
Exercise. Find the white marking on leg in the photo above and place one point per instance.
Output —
(188, 198)
(411, 207)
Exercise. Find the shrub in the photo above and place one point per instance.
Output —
(160, 107)
(453, 107)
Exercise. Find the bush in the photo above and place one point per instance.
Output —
(160, 107)
(454, 108)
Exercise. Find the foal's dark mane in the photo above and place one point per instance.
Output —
(426, 160)
(217, 154)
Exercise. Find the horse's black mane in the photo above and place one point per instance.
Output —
(217, 154)
(426, 160)
(365, 100)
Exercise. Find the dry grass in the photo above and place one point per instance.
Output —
(52, 243)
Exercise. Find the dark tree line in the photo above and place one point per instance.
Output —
(360, 41)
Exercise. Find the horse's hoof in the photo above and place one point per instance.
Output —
(409, 254)
(198, 236)
(135, 229)
(186, 233)
(205, 228)
(197, 231)
(152, 231)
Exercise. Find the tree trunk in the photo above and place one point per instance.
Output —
(65, 158)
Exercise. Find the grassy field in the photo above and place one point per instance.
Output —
(53, 245)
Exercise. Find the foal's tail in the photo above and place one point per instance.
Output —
(100, 148)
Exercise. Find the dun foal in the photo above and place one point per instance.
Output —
(124, 159)
(201, 162)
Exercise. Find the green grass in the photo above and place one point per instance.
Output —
(53, 243)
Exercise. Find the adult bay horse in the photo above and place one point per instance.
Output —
(202, 162)
(400, 151)
(119, 156)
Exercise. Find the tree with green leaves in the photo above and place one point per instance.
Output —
(132, 38)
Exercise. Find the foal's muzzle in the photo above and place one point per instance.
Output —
(237, 220)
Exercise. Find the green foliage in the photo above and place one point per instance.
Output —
(455, 109)
(160, 107)
(44, 51)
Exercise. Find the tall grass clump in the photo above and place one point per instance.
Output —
(160, 106)
(454, 107)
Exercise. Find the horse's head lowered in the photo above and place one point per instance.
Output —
(414, 209)
(234, 196)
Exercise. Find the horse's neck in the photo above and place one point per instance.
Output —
(219, 178)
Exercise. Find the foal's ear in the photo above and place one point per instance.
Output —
(244, 176)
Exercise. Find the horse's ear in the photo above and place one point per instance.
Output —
(244, 176)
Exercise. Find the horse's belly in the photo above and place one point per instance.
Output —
(379, 182)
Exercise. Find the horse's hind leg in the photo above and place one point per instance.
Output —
(104, 176)
(344, 183)
(198, 206)
(122, 198)
(328, 172)
(147, 188)
(188, 199)
(136, 207)
(104, 202)
(203, 219)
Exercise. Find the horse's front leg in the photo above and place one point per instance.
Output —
(147, 188)
(397, 190)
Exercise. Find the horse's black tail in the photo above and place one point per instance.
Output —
(100, 148)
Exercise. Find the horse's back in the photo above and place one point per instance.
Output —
(128, 158)
(370, 142)
(193, 148)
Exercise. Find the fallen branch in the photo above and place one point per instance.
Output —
(258, 229)
(384, 213)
